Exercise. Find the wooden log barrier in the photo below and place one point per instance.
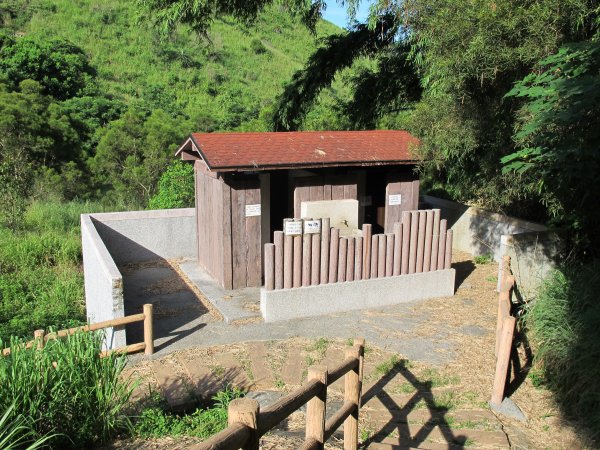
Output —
(421, 241)
(505, 348)
(350, 260)
(406, 221)
(381, 256)
(442, 245)
(297, 272)
(288, 262)
(358, 258)
(334, 254)
(148, 329)
(389, 254)
(325, 236)
(278, 239)
(343, 253)
(352, 396)
(414, 237)
(428, 240)
(315, 265)
(306, 259)
(244, 411)
(397, 249)
(448, 251)
(269, 267)
(316, 407)
(435, 239)
(367, 233)
(374, 255)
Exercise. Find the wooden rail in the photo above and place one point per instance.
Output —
(247, 423)
(421, 242)
(505, 328)
(40, 337)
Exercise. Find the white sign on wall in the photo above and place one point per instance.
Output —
(312, 226)
(395, 199)
(252, 210)
(292, 227)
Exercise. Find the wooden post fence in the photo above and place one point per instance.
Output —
(247, 422)
(40, 338)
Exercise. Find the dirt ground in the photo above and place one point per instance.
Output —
(466, 380)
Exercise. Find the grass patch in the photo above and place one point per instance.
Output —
(386, 367)
(66, 390)
(436, 379)
(155, 422)
(563, 324)
(483, 259)
(320, 345)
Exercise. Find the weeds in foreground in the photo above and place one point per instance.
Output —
(66, 389)
(563, 324)
(155, 422)
(483, 259)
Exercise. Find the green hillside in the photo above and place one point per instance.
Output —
(226, 82)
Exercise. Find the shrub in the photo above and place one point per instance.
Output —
(258, 47)
(175, 187)
(483, 259)
(563, 324)
(66, 389)
(202, 423)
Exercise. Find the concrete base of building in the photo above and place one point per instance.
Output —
(285, 304)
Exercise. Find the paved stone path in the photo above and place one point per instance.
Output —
(404, 406)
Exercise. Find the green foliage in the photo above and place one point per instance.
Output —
(175, 187)
(563, 323)
(15, 434)
(483, 259)
(41, 284)
(66, 389)
(155, 422)
(558, 135)
(59, 66)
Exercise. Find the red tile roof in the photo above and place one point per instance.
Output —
(273, 150)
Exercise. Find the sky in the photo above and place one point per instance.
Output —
(337, 14)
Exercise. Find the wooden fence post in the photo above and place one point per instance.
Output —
(38, 335)
(334, 243)
(245, 411)
(397, 248)
(381, 255)
(374, 255)
(358, 258)
(306, 259)
(421, 241)
(325, 235)
(269, 267)
(352, 395)
(414, 239)
(405, 242)
(278, 241)
(315, 264)
(442, 244)
(342, 255)
(435, 239)
(360, 341)
(288, 262)
(389, 254)
(428, 241)
(316, 407)
(367, 231)
(148, 330)
(350, 260)
(448, 252)
(297, 271)
(508, 328)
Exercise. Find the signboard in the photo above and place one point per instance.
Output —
(292, 227)
(252, 210)
(395, 199)
(312, 226)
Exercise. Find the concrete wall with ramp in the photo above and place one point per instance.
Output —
(110, 240)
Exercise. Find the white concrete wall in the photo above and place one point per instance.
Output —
(103, 283)
(135, 236)
(477, 231)
(309, 301)
(112, 239)
(532, 248)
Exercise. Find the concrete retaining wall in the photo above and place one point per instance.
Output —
(477, 231)
(103, 283)
(284, 304)
(113, 239)
(532, 248)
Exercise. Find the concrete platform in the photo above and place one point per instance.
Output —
(285, 304)
(234, 304)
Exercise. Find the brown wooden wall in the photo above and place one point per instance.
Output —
(407, 185)
(229, 243)
(327, 187)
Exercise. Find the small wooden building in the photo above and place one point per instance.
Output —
(248, 183)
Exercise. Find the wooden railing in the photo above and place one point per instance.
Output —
(505, 328)
(247, 423)
(40, 337)
(421, 242)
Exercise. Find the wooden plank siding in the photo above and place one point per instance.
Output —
(315, 188)
(405, 185)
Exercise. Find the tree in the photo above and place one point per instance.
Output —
(59, 66)
(133, 152)
(175, 187)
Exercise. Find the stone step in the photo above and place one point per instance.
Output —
(291, 372)
(201, 378)
(174, 387)
(457, 418)
(259, 362)
(420, 437)
(233, 373)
